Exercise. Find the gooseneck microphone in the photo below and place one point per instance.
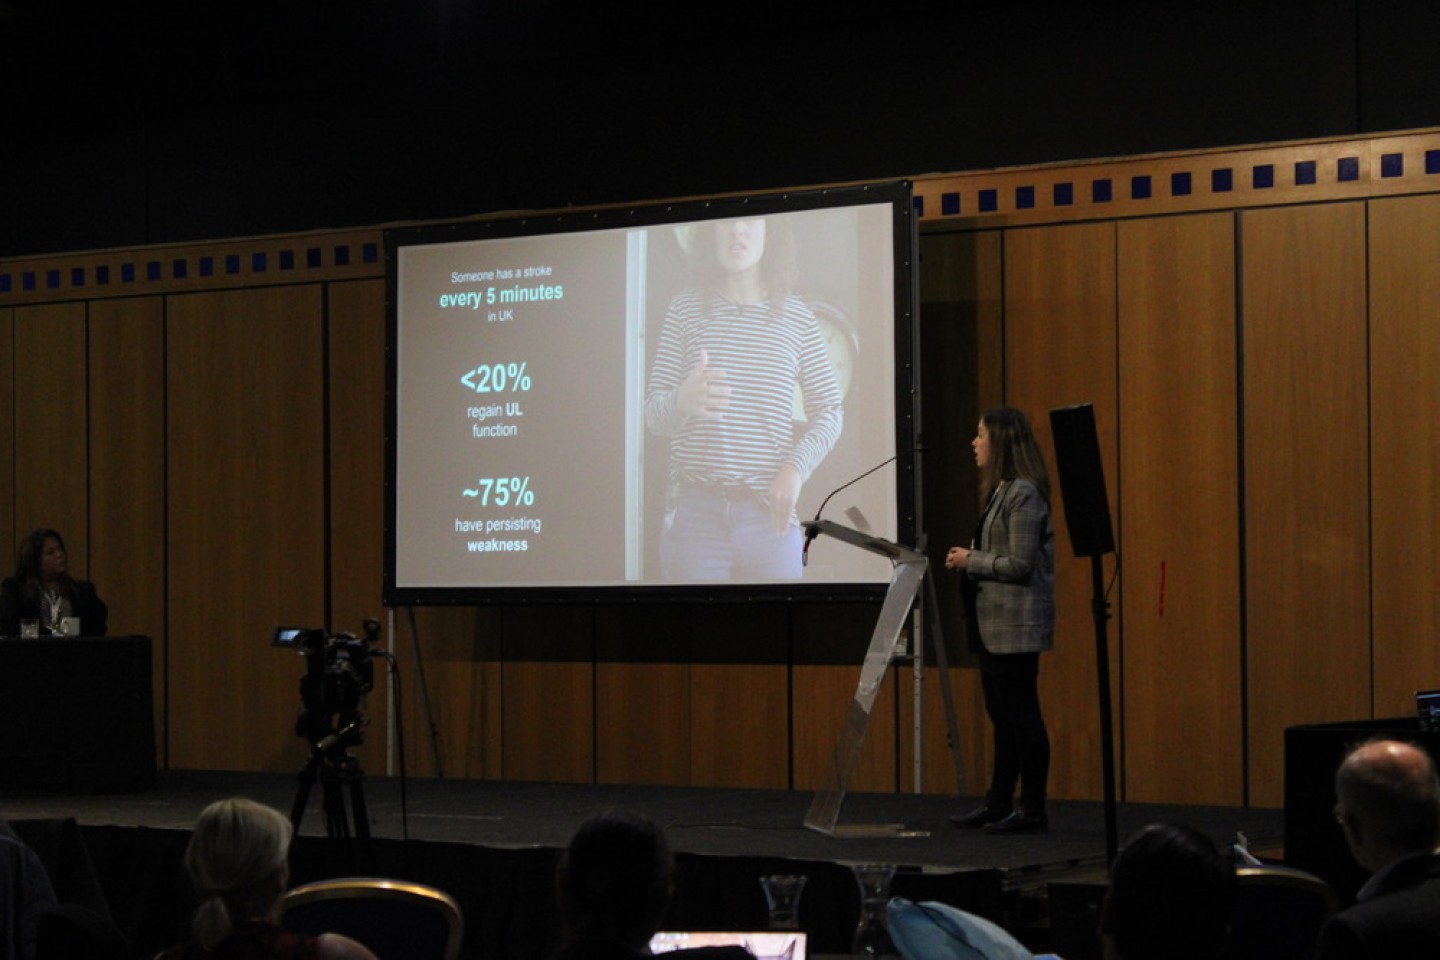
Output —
(811, 532)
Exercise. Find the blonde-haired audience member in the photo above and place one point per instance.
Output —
(238, 859)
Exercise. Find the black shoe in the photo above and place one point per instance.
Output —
(1019, 822)
(979, 817)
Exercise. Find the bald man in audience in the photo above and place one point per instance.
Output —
(1389, 810)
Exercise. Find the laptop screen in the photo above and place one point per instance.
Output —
(764, 944)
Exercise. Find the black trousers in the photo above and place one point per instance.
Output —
(1010, 683)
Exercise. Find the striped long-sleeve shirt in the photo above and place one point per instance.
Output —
(765, 349)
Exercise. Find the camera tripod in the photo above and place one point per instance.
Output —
(337, 770)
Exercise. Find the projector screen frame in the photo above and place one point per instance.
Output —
(906, 412)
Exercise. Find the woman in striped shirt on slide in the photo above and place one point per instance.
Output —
(733, 348)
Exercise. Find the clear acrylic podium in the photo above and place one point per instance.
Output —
(910, 571)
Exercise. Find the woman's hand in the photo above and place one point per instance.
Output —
(784, 492)
(703, 393)
(956, 558)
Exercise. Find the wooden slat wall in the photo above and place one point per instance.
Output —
(1182, 696)
(962, 374)
(1306, 434)
(8, 535)
(355, 366)
(1266, 379)
(1404, 236)
(246, 519)
(127, 473)
(1060, 310)
(51, 427)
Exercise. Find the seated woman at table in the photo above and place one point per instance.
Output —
(43, 590)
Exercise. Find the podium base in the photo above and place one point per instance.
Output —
(866, 831)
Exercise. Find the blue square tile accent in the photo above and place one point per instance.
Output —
(312, 255)
(77, 276)
(342, 256)
(52, 279)
(152, 270)
(232, 263)
(1347, 168)
(1140, 187)
(1262, 176)
(4, 283)
(180, 269)
(207, 266)
(949, 204)
(916, 203)
(1180, 185)
(1101, 191)
(1304, 173)
(102, 274)
(27, 280)
(1024, 198)
(1432, 161)
(1392, 165)
(287, 259)
(1222, 180)
(1064, 194)
(259, 262)
(127, 273)
(371, 253)
(989, 201)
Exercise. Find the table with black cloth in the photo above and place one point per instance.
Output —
(76, 713)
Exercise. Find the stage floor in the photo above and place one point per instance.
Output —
(710, 822)
(737, 833)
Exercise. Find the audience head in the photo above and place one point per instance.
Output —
(614, 882)
(237, 859)
(1389, 802)
(1172, 894)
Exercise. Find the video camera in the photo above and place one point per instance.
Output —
(339, 672)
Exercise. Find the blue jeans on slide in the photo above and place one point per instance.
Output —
(724, 533)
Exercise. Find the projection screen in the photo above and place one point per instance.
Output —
(623, 403)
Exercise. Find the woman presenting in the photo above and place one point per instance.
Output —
(733, 349)
(42, 589)
(1009, 590)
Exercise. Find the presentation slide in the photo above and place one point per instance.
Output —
(654, 399)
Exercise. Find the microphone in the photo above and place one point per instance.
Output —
(811, 532)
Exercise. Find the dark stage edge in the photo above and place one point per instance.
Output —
(723, 838)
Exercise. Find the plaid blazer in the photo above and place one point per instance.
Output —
(1012, 569)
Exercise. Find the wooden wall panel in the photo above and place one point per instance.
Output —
(1306, 484)
(127, 456)
(246, 547)
(1405, 448)
(549, 711)
(355, 339)
(459, 733)
(8, 537)
(938, 765)
(51, 456)
(642, 723)
(962, 374)
(549, 655)
(822, 695)
(1181, 696)
(739, 717)
(127, 474)
(1060, 322)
